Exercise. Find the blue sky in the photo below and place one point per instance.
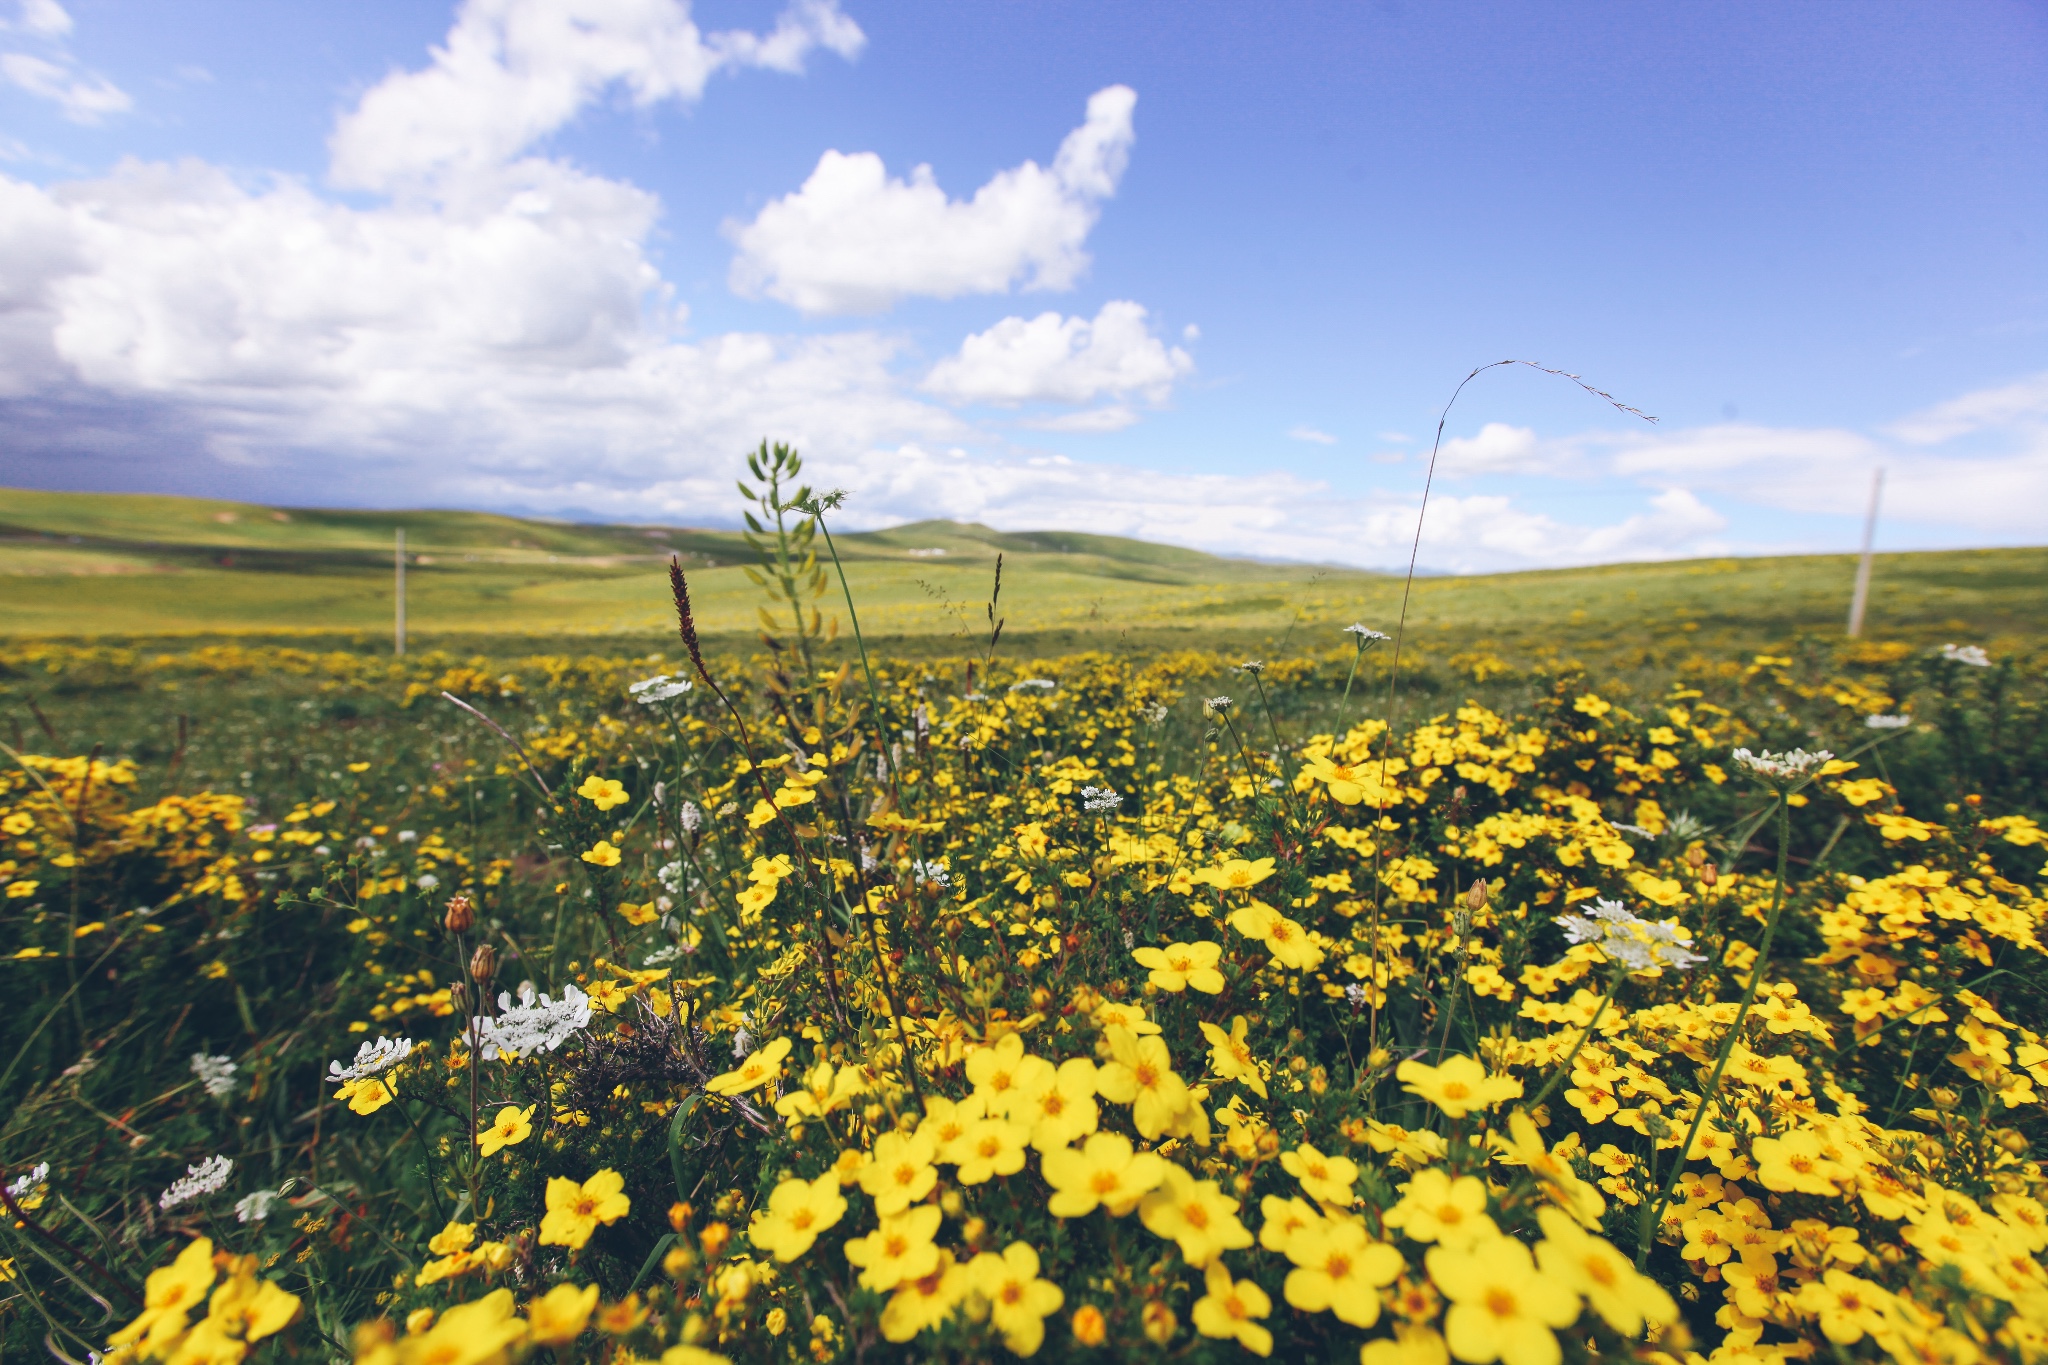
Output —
(573, 256)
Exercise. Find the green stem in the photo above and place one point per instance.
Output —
(1652, 1212)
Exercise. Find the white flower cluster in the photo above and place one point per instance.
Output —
(427, 881)
(662, 956)
(689, 817)
(1634, 942)
(1250, 666)
(216, 1074)
(931, 872)
(1793, 763)
(535, 1024)
(1100, 800)
(21, 1189)
(1366, 635)
(372, 1058)
(1156, 714)
(674, 877)
(1044, 684)
(254, 1208)
(205, 1178)
(659, 688)
(1973, 655)
(1887, 722)
(1217, 704)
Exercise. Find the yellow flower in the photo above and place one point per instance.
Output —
(512, 1127)
(574, 1210)
(1848, 1307)
(1325, 1179)
(243, 1309)
(1064, 1111)
(1178, 966)
(366, 1095)
(1286, 940)
(824, 1091)
(1458, 1087)
(610, 996)
(637, 915)
(692, 1355)
(1607, 1279)
(925, 1301)
(1197, 1216)
(1089, 1325)
(1231, 1057)
(761, 814)
(948, 1123)
(1795, 1163)
(900, 1249)
(559, 1316)
(900, 1172)
(1285, 1220)
(452, 1238)
(1502, 1307)
(1236, 874)
(1019, 1302)
(1523, 1146)
(1228, 1309)
(603, 792)
(625, 1316)
(475, 1333)
(1005, 1074)
(22, 890)
(1439, 1209)
(1104, 1171)
(1141, 1076)
(1410, 1345)
(1349, 783)
(992, 1147)
(602, 854)
(757, 897)
(760, 1067)
(1340, 1269)
(798, 1212)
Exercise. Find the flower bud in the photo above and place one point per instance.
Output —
(1476, 897)
(461, 916)
(483, 964)
(1695, 855)
(1708, 875)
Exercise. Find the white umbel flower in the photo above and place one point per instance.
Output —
(1793, 763)
(204, 1179)
(1636, 943)
(216, 1074)
(535, 1024)
(1887, 722)
(254, 1208)
(1973, 655)
(1100, 800)
(659, 688)
(371, 1059)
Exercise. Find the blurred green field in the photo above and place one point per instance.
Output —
(104, 565)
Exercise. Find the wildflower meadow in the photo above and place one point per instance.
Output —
(804, 1004)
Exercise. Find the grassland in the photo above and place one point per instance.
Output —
(114, 565)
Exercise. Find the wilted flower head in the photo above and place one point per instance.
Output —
(1100, 800)
(372, 1058)
(1366, 635)
(1972, 655)
(1793, 763)
(535, 1024)
(1636, 943)
(205, 1178)
(216, 1074)
(659, 688)
(1887, 722)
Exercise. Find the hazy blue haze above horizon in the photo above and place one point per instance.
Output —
(1807, 238)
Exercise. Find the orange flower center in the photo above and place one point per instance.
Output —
(1196, 1215)
(1501, 1302)
(1104, 1182)
(1457, 1090)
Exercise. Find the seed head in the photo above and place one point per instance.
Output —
(483, 964)
(461, 916)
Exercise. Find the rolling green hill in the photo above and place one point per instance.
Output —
(106, 564)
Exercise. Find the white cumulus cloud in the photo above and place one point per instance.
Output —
(1062, 359)
(1497, 449)
(512, 71)
(853, 239)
